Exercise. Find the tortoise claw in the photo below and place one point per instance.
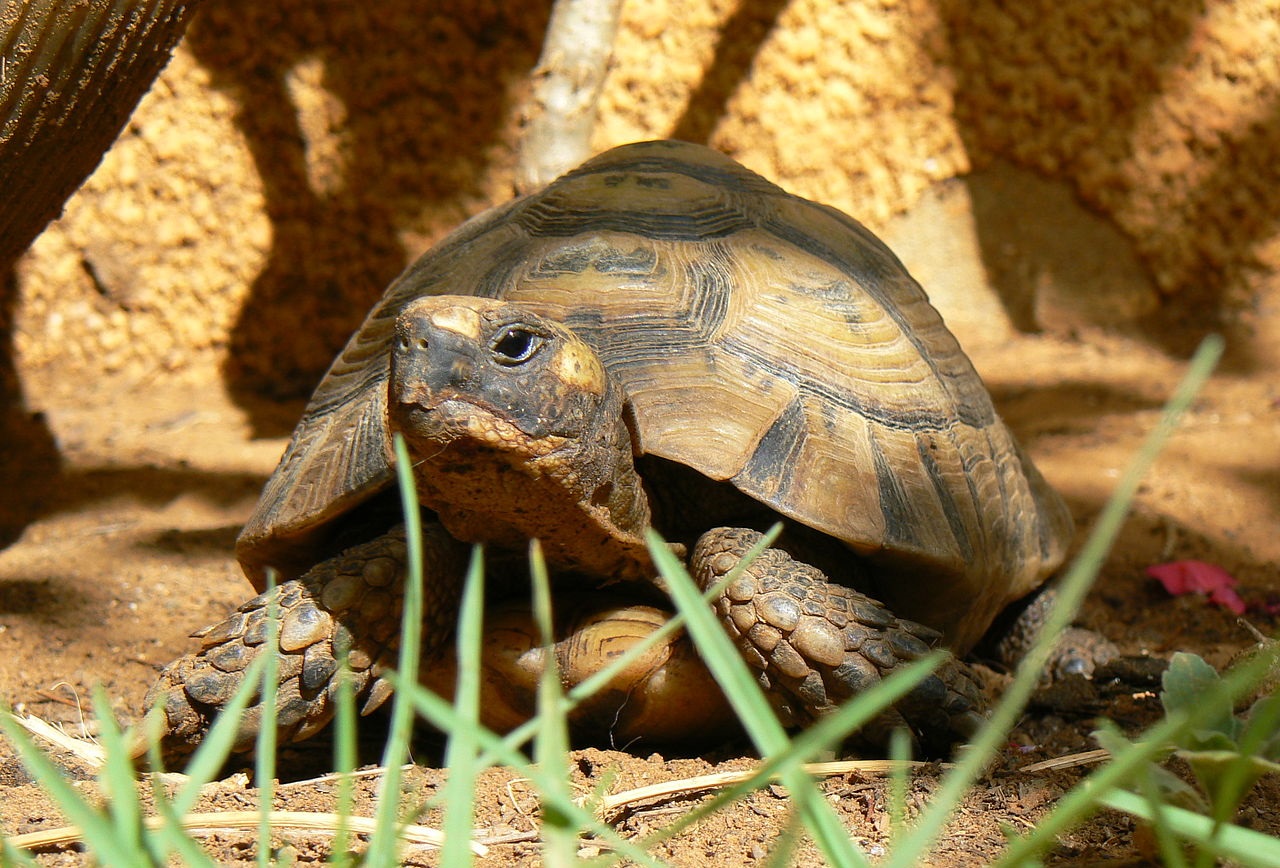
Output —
(343, 605)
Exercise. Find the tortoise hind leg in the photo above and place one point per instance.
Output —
(350, 603)
(817, 643)
(1077, 652)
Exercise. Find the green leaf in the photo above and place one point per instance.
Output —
(1186, 683)
(1260, 723)
(1211, 765)
(1226, 753)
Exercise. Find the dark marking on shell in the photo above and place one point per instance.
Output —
(771, 465)
(945, 497)
(899, 516)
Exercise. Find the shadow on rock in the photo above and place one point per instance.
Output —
(420, 97)
(29, 463)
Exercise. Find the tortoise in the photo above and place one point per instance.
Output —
(661, 338)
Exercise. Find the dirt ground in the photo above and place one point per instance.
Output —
(163, 360)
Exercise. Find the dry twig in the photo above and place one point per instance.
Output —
(665, 789)
(248, 821)
(561, 114)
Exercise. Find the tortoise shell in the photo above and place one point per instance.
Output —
(760, 338)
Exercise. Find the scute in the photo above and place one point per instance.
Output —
(760, 338)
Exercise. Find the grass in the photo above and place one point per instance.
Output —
(117, 832)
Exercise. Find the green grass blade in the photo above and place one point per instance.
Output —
(344, 759)
(383, 846)
(1075, 584)
(96, 827)
(175, 838)
(265, 761)
(460, 755)
(784, 844)
(11, 855)
(1171, 855)
(203, 766)
(719, 653)
(215, 747)
(899, 750)
(119, 786)
(551, 744)
(753, 709)
(1225, 841)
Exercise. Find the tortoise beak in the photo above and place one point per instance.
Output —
(429, 363)
(431, 367)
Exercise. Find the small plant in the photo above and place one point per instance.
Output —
(1229, 752)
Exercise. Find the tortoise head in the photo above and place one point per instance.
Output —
(471, 367)
(516, 430)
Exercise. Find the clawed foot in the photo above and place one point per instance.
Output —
(348, 606)
(816, 643)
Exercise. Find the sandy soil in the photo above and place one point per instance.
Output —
(166, 330)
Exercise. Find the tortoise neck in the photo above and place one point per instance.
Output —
(581, 497)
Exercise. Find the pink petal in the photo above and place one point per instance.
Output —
(1228, 599)
(1199, 577)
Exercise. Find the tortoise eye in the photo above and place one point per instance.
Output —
(515, 345)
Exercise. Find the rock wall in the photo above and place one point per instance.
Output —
(295, 156)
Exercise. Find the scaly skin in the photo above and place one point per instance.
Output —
(353, 602)
(817, 643)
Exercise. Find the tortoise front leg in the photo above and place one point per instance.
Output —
(348, 604)
(817, 643)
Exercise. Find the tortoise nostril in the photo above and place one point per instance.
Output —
(600, 497)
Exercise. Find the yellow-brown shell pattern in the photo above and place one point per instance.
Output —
(760, 338)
